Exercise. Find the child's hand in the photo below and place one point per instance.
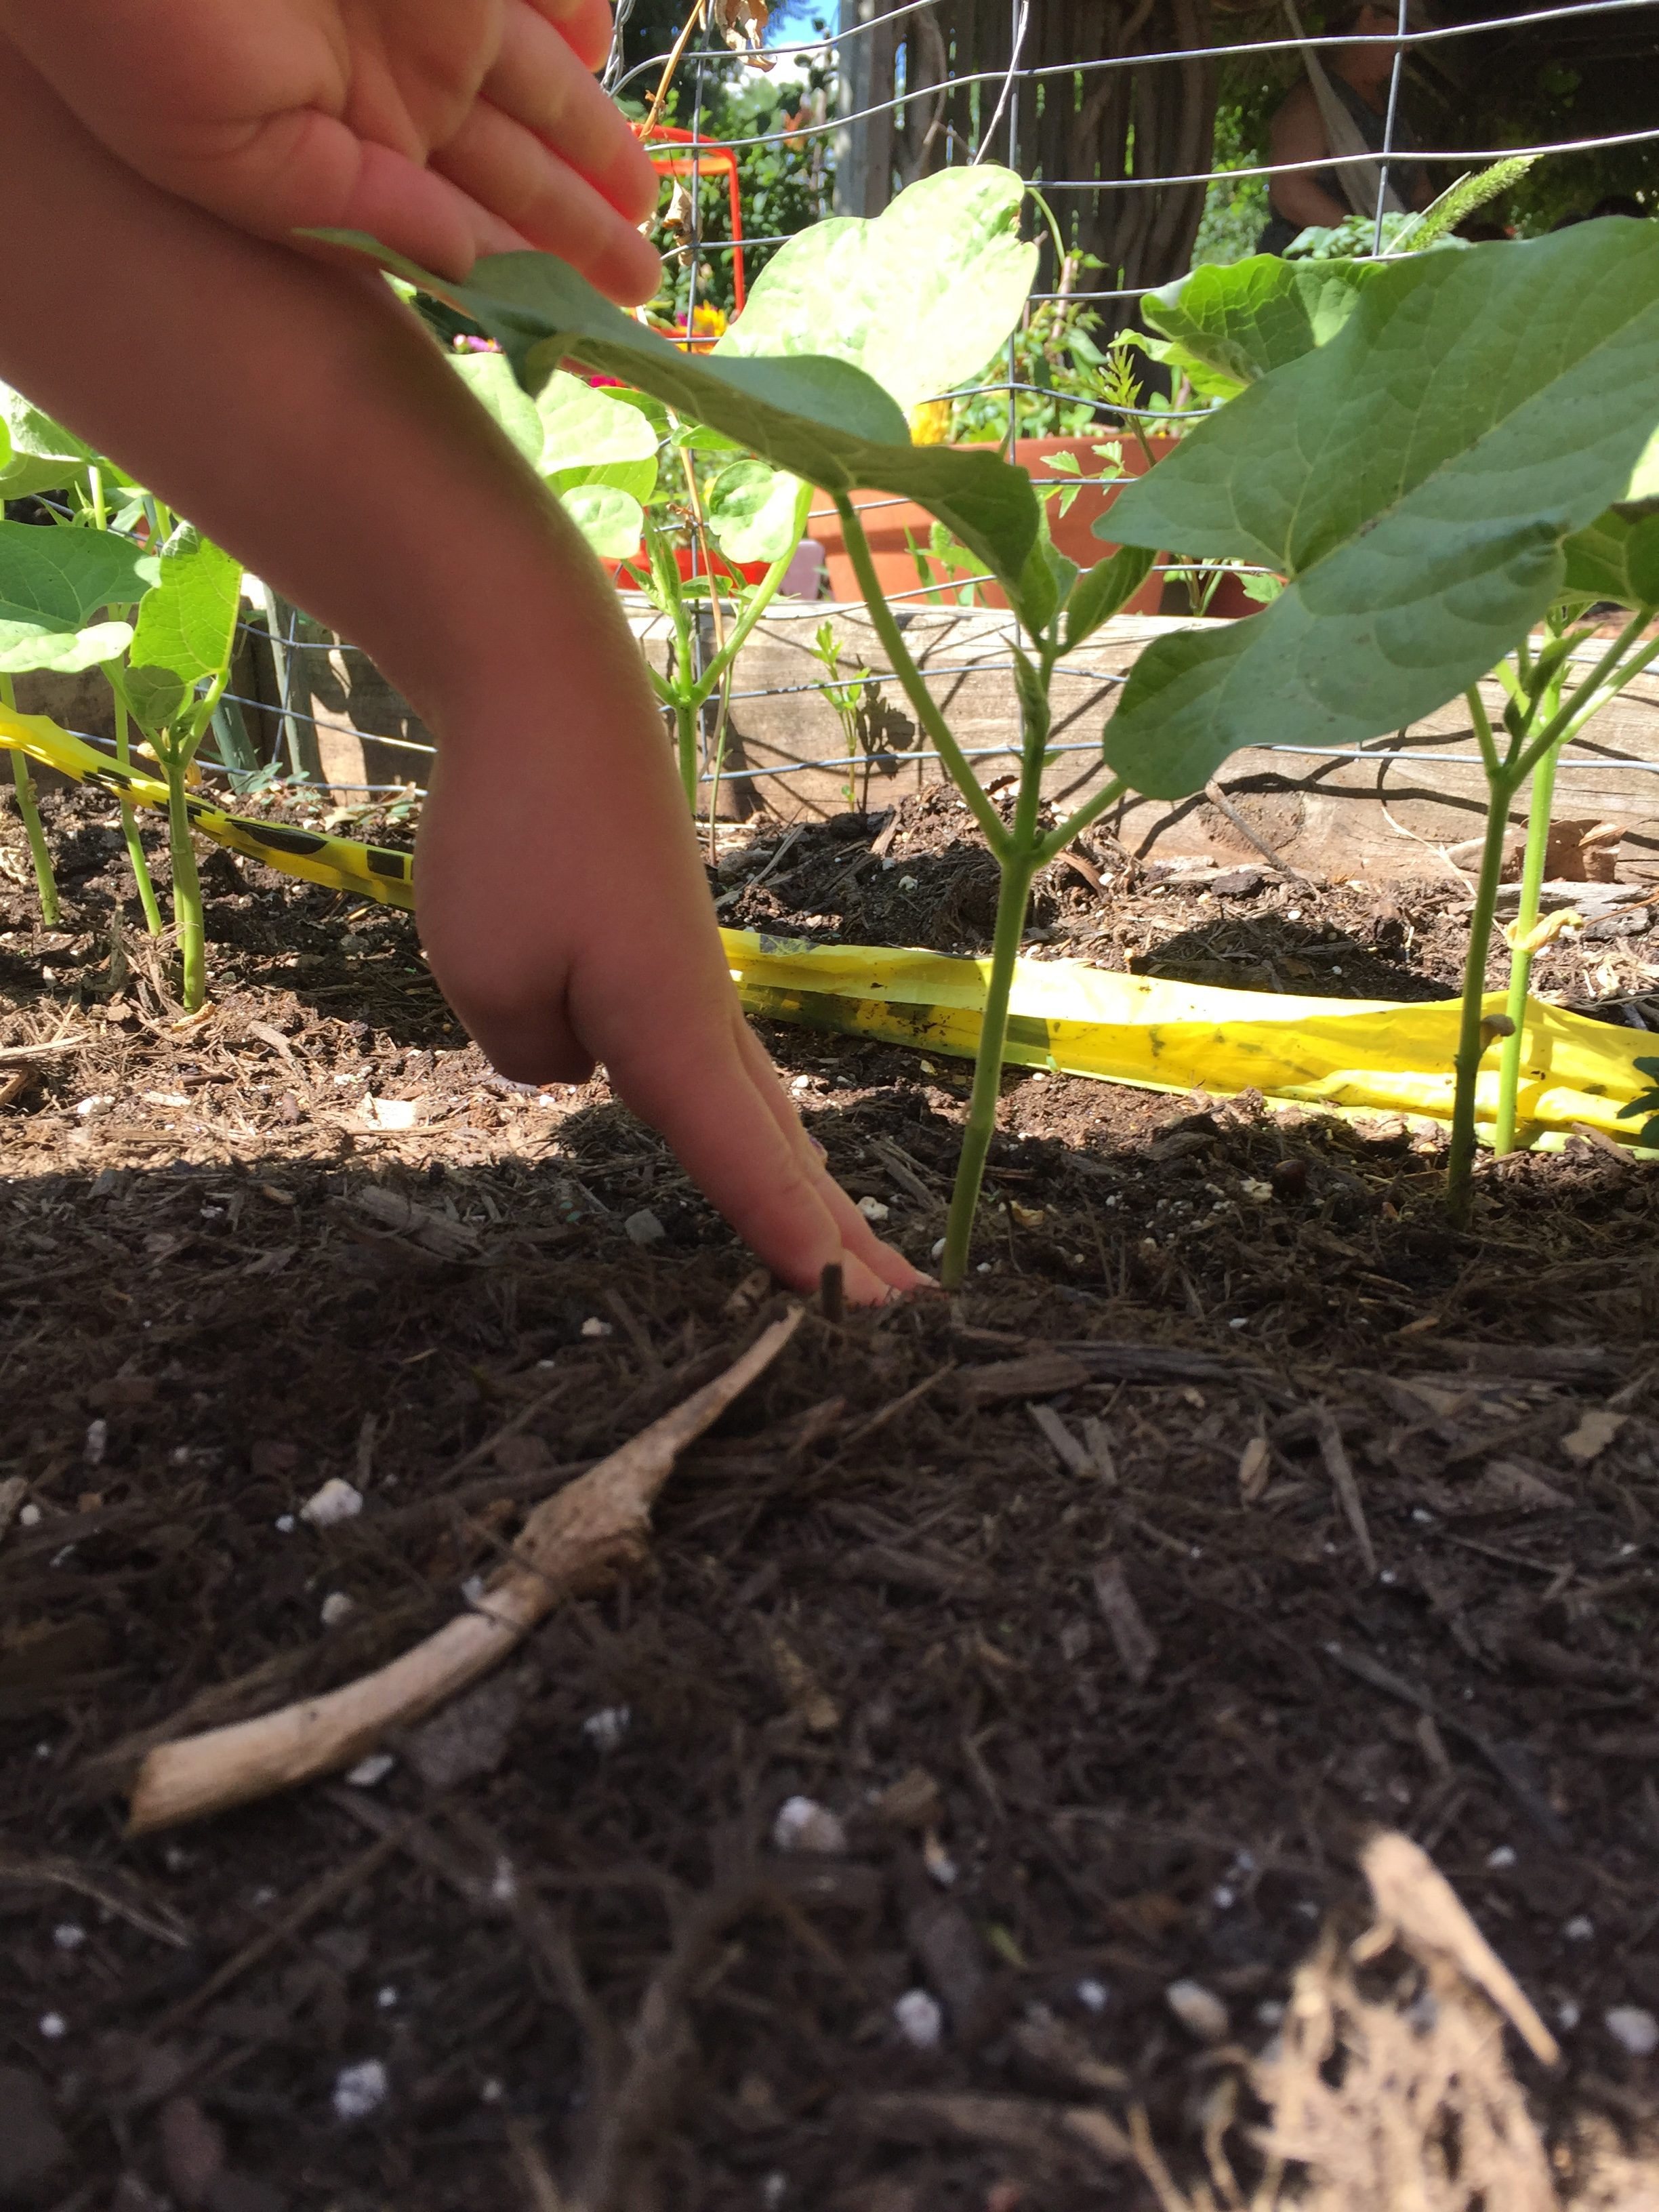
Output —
(564, 911)
(445, 128)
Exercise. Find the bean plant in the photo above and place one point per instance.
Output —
(1451, 458)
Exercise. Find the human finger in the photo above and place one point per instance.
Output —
(537, 81)
(697, 1088)
(505, 169)
(856, 1232)
(584, 25)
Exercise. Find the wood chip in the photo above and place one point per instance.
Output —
(813, 1705)
(1255, 1465)
(1137, 1646)
(1038, 1375)
(434, 1233)
(1594, 1432)
(1339, 1467)
(1073, 1457)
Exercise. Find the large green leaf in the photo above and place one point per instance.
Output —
(1617, 557)
(1251, 317)
(1415, 479)
(489, 377)
(52, 582)
(42, 455)
(185, 629)
(920, 298)
(821, 419)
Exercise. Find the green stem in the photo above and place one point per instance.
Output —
(1532, 876)
(915, 690)
(39, 852)
(186, 884)
(686, 713)
(1017, 870)
(1598, 686)
(1471, 1045)
(147, 898)
(1074, 824)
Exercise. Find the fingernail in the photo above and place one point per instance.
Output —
(821, 1150)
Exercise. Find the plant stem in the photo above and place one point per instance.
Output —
(686, 712)
(39, 852)
(1471, 1045)
(1532, 875)
(915, 690)
(147, 898)
(1017, 870)
(186, 884)
(304, 760)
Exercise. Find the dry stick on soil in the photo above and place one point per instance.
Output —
(579, 1541)
(1339, 1467)
(1218, 797)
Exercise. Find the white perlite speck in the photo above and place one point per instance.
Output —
(368, 1772)
(337, 1500)
(1634, 2029)
(608, 1728)
(803, 1825)
(920, 2021)
(359, 2090)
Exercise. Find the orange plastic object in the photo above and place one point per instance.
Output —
(709, 161)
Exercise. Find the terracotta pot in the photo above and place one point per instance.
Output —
(887, 519)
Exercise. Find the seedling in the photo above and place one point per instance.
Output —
(170, 682)
(1439, 454)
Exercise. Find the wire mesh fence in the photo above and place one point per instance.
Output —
(1110, 114)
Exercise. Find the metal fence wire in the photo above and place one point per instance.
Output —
(909, 100)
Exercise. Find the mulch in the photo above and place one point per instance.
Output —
(1239, 1507)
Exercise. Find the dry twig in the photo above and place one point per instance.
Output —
(579, 1539)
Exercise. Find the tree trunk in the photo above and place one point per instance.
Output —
(1121, 128)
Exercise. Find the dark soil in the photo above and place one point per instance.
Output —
(1059, 1596)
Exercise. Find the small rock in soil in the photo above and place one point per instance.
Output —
(33, 2146)
(337, 1500)
(921, 2021)
(359, 2090)
(468, 1738)
(803, 1825)
(643, 1228)
(1634, 2029)
(192, 2150)
(1199, 2011)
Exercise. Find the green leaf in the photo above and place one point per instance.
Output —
(919, 297)
(612, 521)
(489, 377)
(185, 629)
(588, 437)
(43, 455)
(52, 582)
(1617, 557)
(1243, 320)
(821, 419)
(751, 512)
(1414, 479)
(1101, 592)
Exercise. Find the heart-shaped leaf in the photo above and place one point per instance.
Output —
(52, 582)
(186, 629)
(1415, 479)
(751, 512)
(1243, 320)
(919, 297)
(821, 419)
(612, 521)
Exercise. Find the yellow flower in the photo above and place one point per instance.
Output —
(707, 324)
(930, 423)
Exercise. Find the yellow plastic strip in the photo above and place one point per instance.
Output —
(1345, 1054)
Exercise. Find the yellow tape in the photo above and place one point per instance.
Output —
(1347, 1054)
